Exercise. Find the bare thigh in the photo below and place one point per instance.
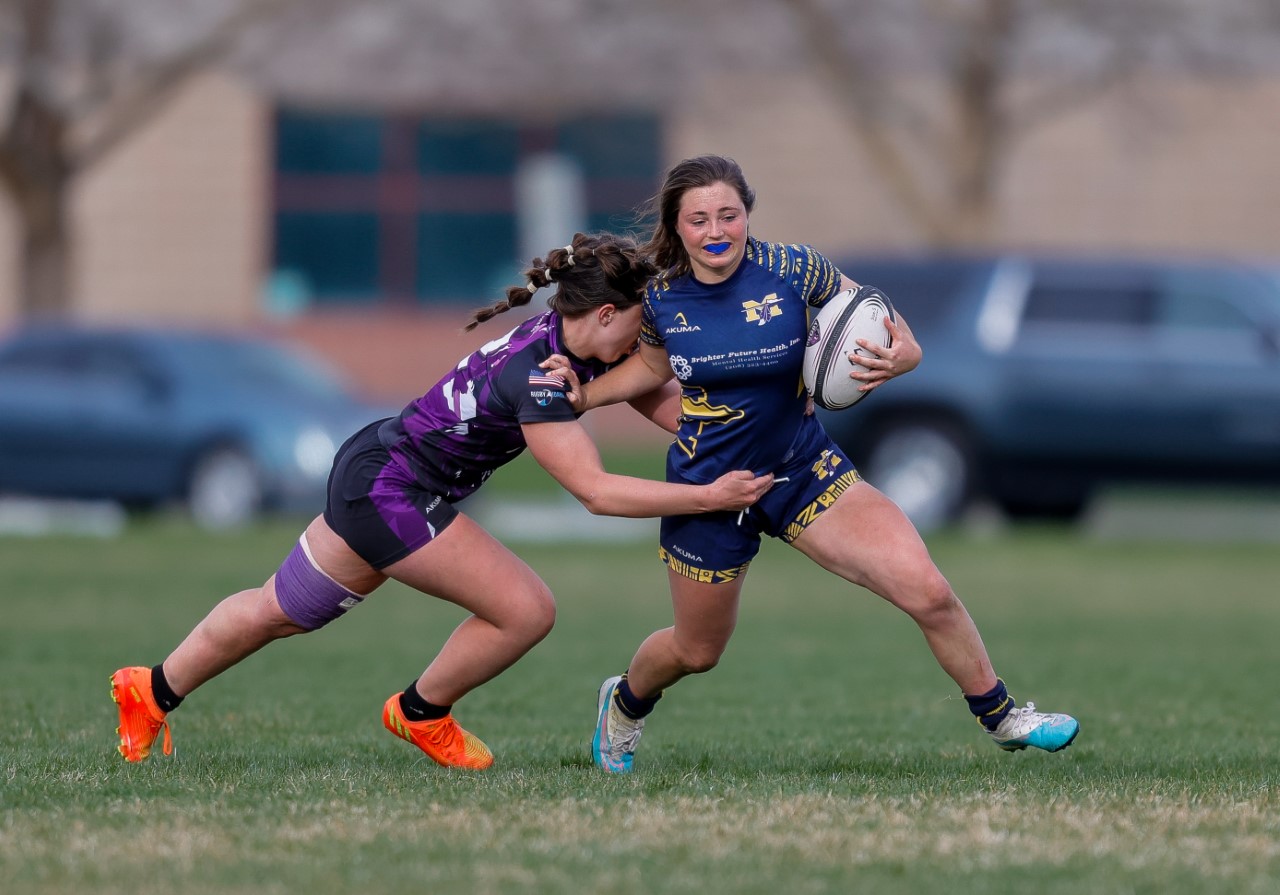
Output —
(866, 539)
(463, 564)
(339, 561)
(469, 567)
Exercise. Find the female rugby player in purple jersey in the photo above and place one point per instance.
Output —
(726, 317)
(390, 511)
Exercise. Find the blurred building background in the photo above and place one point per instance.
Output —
(358, 176)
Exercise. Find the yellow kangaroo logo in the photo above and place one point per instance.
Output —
(696, 407)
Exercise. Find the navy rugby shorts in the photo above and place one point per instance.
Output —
(718, 547)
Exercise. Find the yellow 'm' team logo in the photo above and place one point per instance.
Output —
(696, 407)
(761, 312)
(826, 465)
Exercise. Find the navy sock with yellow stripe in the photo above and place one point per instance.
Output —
(991, 707)
(630, 704)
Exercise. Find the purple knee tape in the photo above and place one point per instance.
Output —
(307, 595)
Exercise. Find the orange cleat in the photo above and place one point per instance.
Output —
(140, 717)
(444, 741)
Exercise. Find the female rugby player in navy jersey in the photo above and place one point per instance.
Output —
(726, 317)
(390, 511)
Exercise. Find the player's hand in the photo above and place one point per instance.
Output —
(739, 489)
(903, 355)
(575, 391)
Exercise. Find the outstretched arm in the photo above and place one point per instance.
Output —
(566, 451)
(637, 376)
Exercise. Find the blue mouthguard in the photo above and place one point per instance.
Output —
(718, 248)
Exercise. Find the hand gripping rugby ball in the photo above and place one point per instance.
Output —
(853, 314)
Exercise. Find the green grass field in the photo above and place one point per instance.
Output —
(827, 753)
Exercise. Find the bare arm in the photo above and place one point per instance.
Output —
(637, 376)
(661, 406)
(566, 451)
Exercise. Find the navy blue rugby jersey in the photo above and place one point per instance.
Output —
(468, 424)
(737, 348)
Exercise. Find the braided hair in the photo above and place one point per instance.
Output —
(592, 271)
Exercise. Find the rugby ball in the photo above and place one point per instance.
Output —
(853, 314)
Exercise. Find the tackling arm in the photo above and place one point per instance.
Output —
(566, 451)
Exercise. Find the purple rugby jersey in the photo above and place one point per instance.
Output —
(468, 424)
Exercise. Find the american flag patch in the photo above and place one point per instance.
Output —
(542, 379)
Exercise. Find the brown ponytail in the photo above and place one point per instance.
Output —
(593, 270)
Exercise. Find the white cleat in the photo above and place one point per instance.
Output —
(1024, 727)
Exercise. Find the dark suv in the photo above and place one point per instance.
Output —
(1045, 377)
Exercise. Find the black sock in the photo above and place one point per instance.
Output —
(630, 704)
(416, 708)
(161, 692)
(991, 707)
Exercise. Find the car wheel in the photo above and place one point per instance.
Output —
(923, 467)
(224, 490)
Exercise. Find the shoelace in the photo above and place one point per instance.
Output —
(1029, 708)
(629, 728)
(1019, 719)
(167, 746)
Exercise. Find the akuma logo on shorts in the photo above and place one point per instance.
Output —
(687, 554)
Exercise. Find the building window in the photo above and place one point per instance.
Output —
(336, 252)
(395, 210)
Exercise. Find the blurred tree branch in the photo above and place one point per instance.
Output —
(80, 79)
(1002, 69)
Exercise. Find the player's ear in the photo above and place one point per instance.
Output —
(606, 313)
